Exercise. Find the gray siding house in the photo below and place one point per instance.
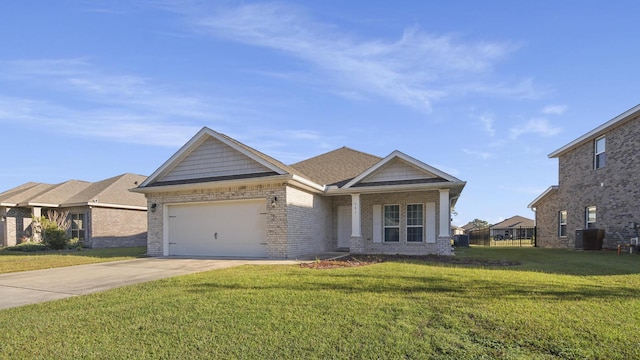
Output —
(598, 186)
(102, 214)
(219, 197)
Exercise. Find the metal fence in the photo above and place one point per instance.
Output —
(519, 236)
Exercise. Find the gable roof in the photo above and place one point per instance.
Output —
(112, 192)
(56, 194)
(13, 197)
(214, 160)
(336, 166)
(258, 165)
(599, 131)
(550, 190)
(437, 175)
(401, 172)
(514, 221)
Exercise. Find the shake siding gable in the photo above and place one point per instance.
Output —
(212, 159)
(397, 170)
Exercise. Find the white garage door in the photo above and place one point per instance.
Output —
(222, 228)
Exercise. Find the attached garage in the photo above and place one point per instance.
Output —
(219, 228)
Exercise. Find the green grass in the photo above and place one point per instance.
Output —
(555, 305)
(14, 261)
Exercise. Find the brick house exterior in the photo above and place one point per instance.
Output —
(334, 201)
(598, 177)
(103, 213)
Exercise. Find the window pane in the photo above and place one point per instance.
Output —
(414, 234)
(600, 145)
(591, 217)
(392, 234)
(414, 214)
(562, 223)
(600, 160)
(563, 230)
(600, 157)
(392, 215)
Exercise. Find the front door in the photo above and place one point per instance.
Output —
(344, 227)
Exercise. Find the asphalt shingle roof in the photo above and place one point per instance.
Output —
(514, 221)
(336, 166)
(114, 191)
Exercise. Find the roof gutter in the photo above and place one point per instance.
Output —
(213, 184)
(395, 188)
(595, 132)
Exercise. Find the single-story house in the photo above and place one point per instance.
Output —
(218, 197)
(515, 227)
(102, 214)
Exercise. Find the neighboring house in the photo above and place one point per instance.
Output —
(456, 230)
(599, 186)
(102, 214)
(515, 227)
(470, 226)
(219, 197)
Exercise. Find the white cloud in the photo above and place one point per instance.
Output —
(91, 102)
(487, 122)
(414, 70)
(534, 126)
(554, 109)
(478, 154)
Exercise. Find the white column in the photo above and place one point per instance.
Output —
(355, 216)
(445, 213)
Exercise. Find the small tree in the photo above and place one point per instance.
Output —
(59, 218)
(54, 229)
(480, 224)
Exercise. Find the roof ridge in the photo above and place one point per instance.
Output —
(334, 150)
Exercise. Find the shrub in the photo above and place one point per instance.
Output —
(76, 243)
(28, 247)
(55, 238)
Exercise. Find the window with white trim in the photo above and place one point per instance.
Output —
(590, 217)
(599, 157)
(415, 222)
(77, 226)
(562, 223)
(391, 215)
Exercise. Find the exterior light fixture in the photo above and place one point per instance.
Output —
(154, 206)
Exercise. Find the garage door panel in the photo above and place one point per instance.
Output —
(236, 228)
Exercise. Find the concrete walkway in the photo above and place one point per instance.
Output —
(30, 287)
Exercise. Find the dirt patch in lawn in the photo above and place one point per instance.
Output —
(363, 260)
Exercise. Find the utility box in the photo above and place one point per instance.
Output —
(589, 239)
(461, 240)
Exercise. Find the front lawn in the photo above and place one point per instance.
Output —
(14, 261)
(553, 305)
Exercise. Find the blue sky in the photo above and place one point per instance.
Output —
(483, 90)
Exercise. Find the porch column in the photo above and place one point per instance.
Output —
(355, 216)
(36, 229)
(445, 213)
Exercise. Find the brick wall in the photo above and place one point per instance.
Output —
(309, 220)
(117, 227)
(17, 225)
(613, 189)
(277, 246)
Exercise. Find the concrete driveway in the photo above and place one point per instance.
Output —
(30, 287)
